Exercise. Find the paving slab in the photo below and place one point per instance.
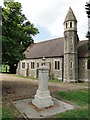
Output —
(28, 110)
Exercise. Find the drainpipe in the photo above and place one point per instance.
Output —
(62, 68)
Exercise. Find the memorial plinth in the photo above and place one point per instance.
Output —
(42, 98)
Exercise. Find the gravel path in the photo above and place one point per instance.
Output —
(17, 88)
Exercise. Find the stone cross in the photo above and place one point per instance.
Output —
(42, 98)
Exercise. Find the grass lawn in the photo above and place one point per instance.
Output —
(78, 97)
(50, 80)
(9, 111)
(76, 113)
(27, 77)
(55, 80)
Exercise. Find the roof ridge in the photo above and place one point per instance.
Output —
(82, 40)
(49, 40)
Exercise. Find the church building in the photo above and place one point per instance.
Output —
(66, 57)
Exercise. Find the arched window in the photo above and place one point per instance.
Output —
(71, 64)
(23, 64)
(66, 25)
(37, 64)
(70, 24)
(32, 65)
(57, 65)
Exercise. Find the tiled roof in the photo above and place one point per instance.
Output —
(83, 48)
(52, 48)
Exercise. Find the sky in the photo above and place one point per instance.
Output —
(48, 16)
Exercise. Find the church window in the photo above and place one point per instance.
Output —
(57, 65)
(66, 25)
(37, 64)
(32, 65)
(88, 64)
(71, 64)
(23, 64)
(70, 24)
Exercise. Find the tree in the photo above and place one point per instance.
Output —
(17, 34)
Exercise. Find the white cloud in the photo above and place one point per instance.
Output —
(50, 14)
(56, 29)
(1, 2)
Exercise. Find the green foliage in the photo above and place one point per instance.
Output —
(17, 33)
(80, 97)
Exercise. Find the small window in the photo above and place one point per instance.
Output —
(32, 65)
(70, 24)
(88, 64)
(66, 25)
(57, 65)
(37, 64)
(71, 64)
(23, 64)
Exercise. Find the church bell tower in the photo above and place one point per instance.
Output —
(70, 48)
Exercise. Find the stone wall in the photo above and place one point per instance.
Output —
(70, 57)
(83, 71)
(71, 69)
(20, 70)
(50, 62)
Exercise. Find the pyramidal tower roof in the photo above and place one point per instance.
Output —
(70, 15)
